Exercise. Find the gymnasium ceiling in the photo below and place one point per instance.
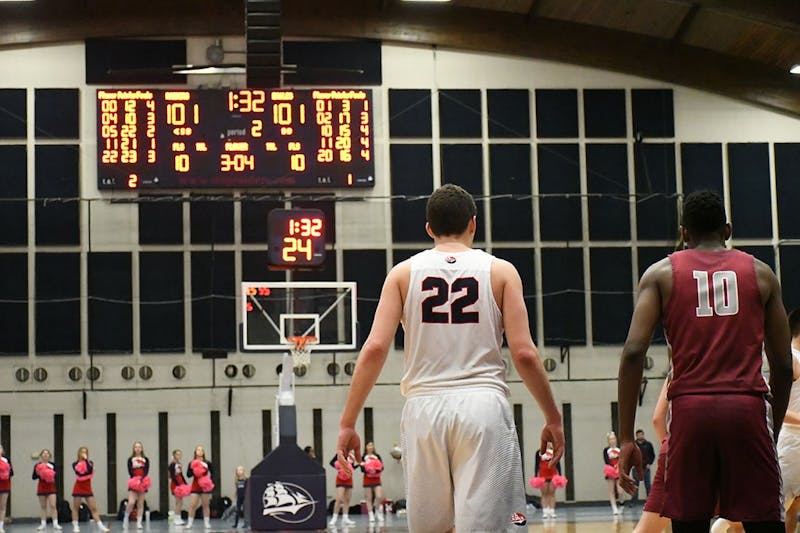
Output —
(739, 48)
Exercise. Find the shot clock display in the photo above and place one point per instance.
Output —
(296, 238)
(238, 138)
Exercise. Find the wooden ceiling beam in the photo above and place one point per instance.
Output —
(508, 33)
(780, 13)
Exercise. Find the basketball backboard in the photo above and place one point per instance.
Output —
(274, 313)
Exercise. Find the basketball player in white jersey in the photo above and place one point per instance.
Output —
(461, 458)
(789, 437)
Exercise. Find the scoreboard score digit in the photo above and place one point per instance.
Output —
(237, 138)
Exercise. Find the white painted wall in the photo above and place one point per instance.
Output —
(589, 385)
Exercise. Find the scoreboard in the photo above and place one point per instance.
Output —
(234, 138)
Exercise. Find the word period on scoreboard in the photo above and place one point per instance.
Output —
(234, 138)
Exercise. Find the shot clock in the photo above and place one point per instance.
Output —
(234, 138)
(296, 238)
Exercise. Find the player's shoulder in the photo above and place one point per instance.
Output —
(657, 270)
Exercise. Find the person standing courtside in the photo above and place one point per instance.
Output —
(719, 307)
(455, 302)
(648, 456)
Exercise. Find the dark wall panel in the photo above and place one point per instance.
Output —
(556, 113)
(213, 301)
(110, 303)
(255, 267)
(647, 256)
(701, 167)
(462, 164)
(562, 295)
(161, 315)
(13, 114)
(13, 191)
(762, 253)
(412, 175)
(211, 221)
(57, 114)
(787, 179)
(338, 63)
(459, 113)
(410, 113)
(368, 269)
(254, 219)
(510, 173)
(656, 204)
(653, 114)
(128, 61)
(559, 173)
(607, 184)
(751, 205)
(161, 220)
(524, 261)
(790, 281)
(612, 294)
(58, 306)
(604, 112)
(14, 303)
(57, 211)
(509, 113)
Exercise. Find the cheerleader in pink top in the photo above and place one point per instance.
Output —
(45, 472)
(84, 471)
(6, 473)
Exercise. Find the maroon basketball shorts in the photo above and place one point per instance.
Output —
(721, 449)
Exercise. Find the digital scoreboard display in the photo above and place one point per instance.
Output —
(234, 138)
(296, 238)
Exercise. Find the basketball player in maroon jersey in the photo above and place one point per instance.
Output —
(719, 308)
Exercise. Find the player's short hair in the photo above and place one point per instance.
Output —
(449, 210)
(639, 431)
(703, 213)
(794, 322)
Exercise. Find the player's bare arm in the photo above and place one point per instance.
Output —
(660, 412)
(777, 342)
(507, 287)
(646, 315)
(372, 358)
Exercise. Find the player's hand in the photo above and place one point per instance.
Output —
(630, 457)
(349, 441)
(553, 433)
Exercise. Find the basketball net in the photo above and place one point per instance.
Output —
(301, 349)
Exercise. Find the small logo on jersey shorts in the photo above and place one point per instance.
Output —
(450, 259)
(518, 519)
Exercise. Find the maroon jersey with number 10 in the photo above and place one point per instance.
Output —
(714, 320)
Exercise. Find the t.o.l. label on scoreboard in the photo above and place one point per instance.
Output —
(237, 138)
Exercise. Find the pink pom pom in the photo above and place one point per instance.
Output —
(5, 470)
(45, 473)
(182, 491)
(198, 468)
(536, 482)
(145, 483)
(559, 482)
(373, 465)
(134, 484)
(81, 468)
(610, 472)
(205, 484)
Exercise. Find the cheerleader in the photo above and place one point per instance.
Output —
(611, 470)
(547, 480)
(138, 483)
(200, 469)
(372, 466)
(84, 471)
(6, 472)
(240, 480)
(177, 485)
(344, 488)
(45, 472)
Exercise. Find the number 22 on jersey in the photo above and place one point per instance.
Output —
(725, 289)
(457, 313)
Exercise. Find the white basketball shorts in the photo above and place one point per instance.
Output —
(461, 462)
(789, 461)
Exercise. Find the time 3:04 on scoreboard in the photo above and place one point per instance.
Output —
(234, 138)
